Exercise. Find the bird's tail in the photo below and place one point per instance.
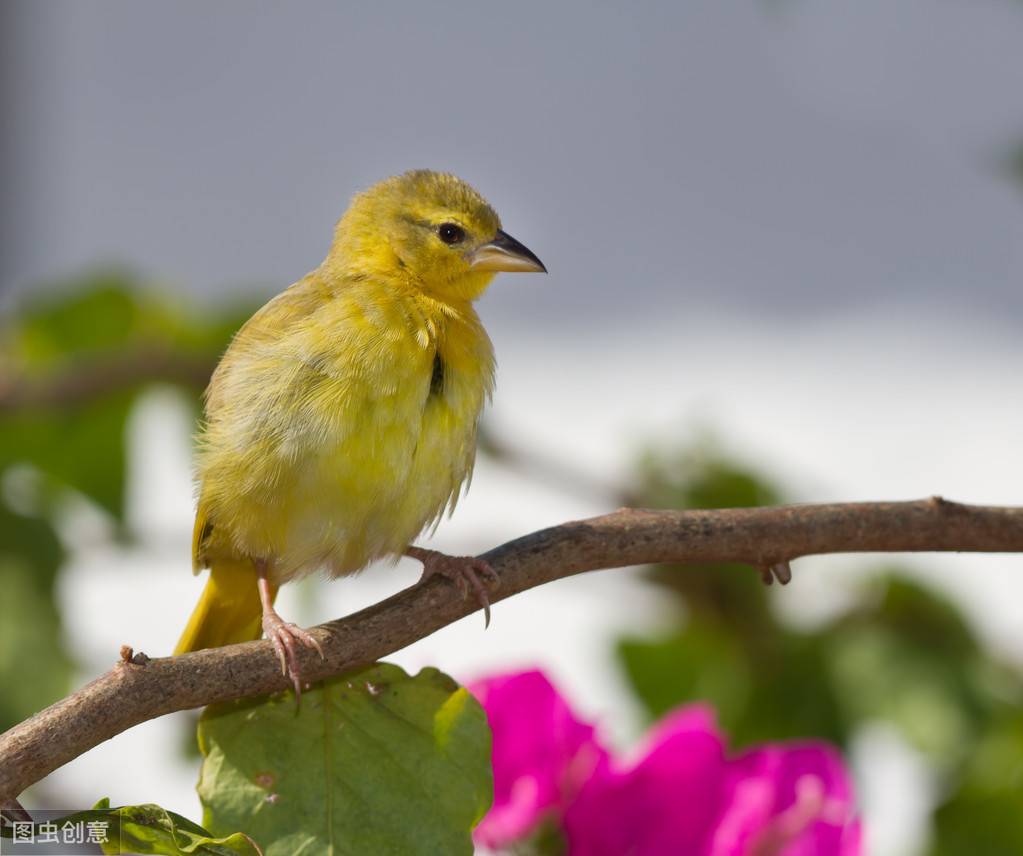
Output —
(229, 610)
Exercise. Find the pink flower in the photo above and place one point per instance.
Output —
(682, 795)
(542, 754)
(793, 799)
(665, 803)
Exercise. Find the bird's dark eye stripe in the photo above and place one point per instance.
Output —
(451, 233)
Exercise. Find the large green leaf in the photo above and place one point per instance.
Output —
(372, 762)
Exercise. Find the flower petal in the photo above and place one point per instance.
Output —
(787, 800)
(542, 754)
(663, 805)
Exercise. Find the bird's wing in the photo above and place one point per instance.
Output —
(311, 382)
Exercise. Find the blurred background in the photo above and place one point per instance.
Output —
(786, 251)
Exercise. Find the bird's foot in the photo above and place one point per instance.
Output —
(464, 571)
(283, 635)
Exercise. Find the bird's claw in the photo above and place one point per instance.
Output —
(282, 635)
(465, 572)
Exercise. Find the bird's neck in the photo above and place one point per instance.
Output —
(434, 314)
(447, 299)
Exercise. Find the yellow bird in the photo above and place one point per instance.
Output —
(342, 418)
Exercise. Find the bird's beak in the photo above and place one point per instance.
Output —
(505, 253)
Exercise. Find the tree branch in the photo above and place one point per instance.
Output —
(100, 376)
(138, 689)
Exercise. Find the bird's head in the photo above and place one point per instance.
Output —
(429, 228)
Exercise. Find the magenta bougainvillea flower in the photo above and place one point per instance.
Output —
(542, 754)
(683, 795)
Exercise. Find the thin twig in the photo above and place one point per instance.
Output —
(100, 376)
(136, 689)
(548, 469)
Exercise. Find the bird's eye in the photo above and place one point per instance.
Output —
(450, 233)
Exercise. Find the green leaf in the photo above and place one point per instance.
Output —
(700, 476)
(81, 447)
(106, 311)
(982, 815)
(765, 681)
(30, 626)
(31, 540)
(93, 314)
(372, 762)
(906, 655)
(65, 343)
(903, 654)
(775, 688)
(151, 829)
(699, 662)
(548, 839)
(148, 829)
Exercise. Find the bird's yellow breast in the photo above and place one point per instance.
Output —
(340, 422)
